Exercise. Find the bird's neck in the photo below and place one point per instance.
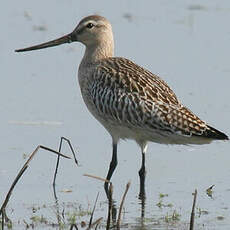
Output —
(95, 53)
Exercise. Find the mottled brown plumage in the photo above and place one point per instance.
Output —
(125, 94)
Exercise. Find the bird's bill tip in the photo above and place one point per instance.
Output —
(64, 39)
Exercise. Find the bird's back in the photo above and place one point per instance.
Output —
(132, 101)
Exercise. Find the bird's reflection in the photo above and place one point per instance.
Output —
(113, 210)
(113, 218)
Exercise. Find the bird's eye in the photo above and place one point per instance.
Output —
(90, 25)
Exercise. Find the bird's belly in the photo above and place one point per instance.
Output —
(140, 132)
(145, 134)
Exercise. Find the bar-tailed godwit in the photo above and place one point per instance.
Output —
(128, 100)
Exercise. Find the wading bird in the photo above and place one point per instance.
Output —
(128, 100)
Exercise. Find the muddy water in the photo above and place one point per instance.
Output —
(187, 43)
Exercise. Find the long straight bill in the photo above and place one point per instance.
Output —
(65, 39)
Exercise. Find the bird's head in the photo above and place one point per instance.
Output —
(92, 31)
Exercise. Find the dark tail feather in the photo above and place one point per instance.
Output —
(215, 134)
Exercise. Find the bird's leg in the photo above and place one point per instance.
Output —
(112, 166)
(142, 174)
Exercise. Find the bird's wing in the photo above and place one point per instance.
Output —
(129, 94)
(137, 79)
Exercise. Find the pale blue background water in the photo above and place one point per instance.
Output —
(185, 42)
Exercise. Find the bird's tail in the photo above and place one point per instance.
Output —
(215, 134)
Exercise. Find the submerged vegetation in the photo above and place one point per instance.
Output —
(75, 216)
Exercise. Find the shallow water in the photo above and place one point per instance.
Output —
(185, 42)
